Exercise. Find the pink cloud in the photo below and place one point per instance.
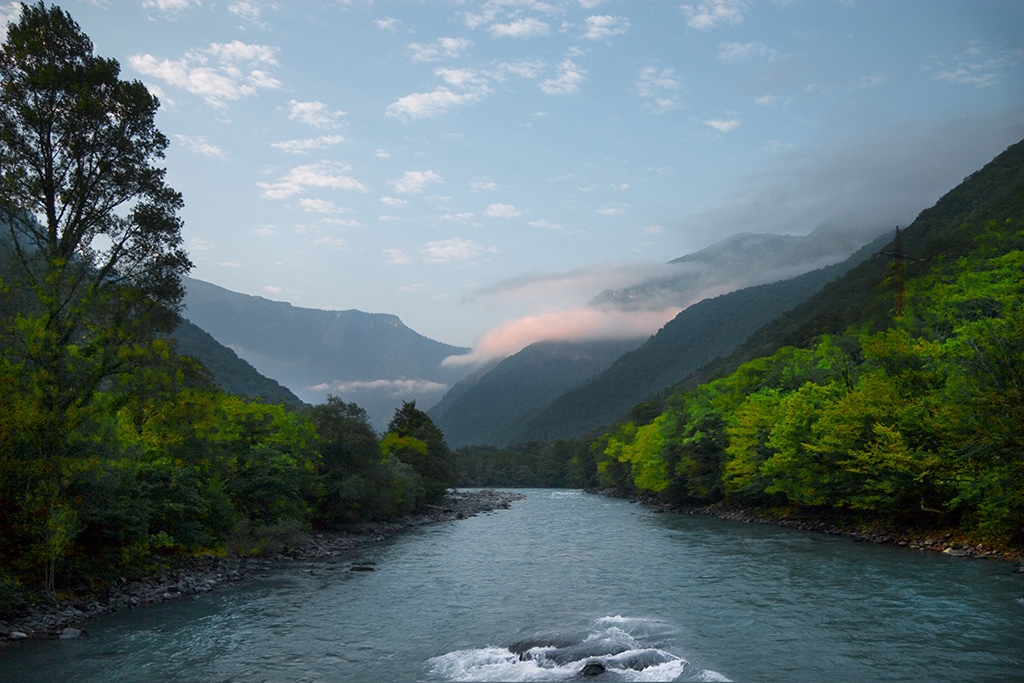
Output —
(577, 324)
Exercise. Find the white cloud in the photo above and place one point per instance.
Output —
(214, 73)
(568, 80)
(576, 324)
(973, 68)
(237, 51)
(330, 241)
(169, 6)
(198, 244)
(247, 10)
(413, 182)
(740, 52)
(612, 209)
(388, 24)
(482, 186)
(8, 13)
(319, 206)
(462, 78)
(394, 388)
(547, 225)
(660, 89)
(603, 27)
(200, 145)
(524, 68)
(442, 48)
(722, 125)
(326, 174)
(314, 114)
(306, 145)
(393, 201)
(398, 257)
(454, 249)
(499, 210)
(709, 14)
(461, 217)
(521, 28)
(428, 104)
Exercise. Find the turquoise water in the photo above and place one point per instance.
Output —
(565, 579)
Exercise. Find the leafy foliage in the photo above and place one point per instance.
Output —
(914, 414)
(117, 454)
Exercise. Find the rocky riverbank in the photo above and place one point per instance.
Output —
(197, 575)
(950, 542)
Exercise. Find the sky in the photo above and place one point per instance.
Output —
(483, 169)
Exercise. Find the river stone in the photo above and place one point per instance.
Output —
(70, 633)
(592, 668)
(18, 635)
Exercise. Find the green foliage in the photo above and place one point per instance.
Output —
(923, 419)
(414, 439)
(115, 452)
(897, 405)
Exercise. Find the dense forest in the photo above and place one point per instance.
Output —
(118, 454)
(896, 394)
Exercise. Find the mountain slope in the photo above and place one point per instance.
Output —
(699, 333)
(489, 407)
(864, 295)
(368, 358)
(742, 260)
(230, 373)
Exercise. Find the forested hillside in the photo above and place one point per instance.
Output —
(493, 406)
(895, 394)
(700, 333)
(230, 373)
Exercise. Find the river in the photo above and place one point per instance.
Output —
(564, 580)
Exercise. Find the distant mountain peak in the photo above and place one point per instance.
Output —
(372, 359)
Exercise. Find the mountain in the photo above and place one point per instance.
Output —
(491, 405)
(371, 359)
(230, 373)
(501, 403)
(864, 295)
(741, 260)
(700, 333)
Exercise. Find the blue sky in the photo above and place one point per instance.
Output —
(483, 169)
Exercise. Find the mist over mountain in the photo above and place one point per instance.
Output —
(553, 390)
(702, 332)
(371, 359)
(741, 260)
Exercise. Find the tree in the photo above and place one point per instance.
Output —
(92, 228)
(415, 439)
(92, 253)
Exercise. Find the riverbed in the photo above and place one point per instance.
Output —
(563, 581)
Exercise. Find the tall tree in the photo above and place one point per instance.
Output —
(92, 249)
(93, 231)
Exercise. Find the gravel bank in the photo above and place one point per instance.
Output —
(202, 574)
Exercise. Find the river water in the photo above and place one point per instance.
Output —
(565, 580)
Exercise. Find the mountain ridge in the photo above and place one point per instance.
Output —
(372, 359)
